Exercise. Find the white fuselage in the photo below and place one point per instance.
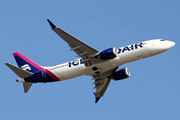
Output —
(126, 54)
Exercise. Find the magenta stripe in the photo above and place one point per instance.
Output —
(52, 75)
(36, 65)
(28, 60)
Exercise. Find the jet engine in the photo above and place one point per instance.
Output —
(121, 74)
(108, 54)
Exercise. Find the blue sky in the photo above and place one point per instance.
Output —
(151, 92)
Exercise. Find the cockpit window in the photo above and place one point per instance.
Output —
(162, 40)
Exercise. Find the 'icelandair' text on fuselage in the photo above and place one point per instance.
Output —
(131, 47)
(75, 62)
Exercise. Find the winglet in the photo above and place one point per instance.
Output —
(97, 99)
(51, 24)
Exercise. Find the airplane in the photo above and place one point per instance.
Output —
(101, 65)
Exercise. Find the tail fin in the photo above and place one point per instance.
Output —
(26, 69)
(26, 64)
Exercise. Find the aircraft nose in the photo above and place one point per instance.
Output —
(161, 46)
(170, 44)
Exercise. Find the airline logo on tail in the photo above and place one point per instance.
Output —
(26, 67)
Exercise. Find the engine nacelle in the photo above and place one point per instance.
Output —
(121, 74)
(108, 54)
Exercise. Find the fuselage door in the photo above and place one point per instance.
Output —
(43, 73)
(153, 43)
(140, 54)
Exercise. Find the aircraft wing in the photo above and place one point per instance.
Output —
(81, 49)
(102, 82)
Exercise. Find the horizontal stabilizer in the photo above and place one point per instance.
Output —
(20, 72)
(27, 86)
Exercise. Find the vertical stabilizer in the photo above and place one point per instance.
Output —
(26, 64)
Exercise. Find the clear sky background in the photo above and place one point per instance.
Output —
(151, 93)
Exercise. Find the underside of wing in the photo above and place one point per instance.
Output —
(81, 49)
(102, 82)
(101, 87)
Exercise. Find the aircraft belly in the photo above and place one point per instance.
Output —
(100, 67)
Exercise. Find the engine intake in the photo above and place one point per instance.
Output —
(121, 74)
(108, 54)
